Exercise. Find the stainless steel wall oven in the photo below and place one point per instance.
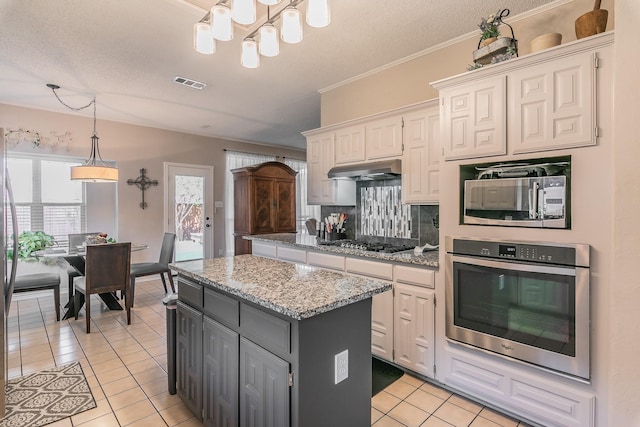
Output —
(525, 300)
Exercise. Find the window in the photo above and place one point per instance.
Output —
(45, 197)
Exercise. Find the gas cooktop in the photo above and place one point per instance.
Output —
(367, 246)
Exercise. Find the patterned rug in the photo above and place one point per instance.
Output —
(47, 396)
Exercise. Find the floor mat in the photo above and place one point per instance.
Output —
(383, 374)
(48, 396)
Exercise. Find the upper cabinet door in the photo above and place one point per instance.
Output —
(552, 105)
(320, 158)
(350, 144)
(383, 138)
(421, 157)
(474, 119)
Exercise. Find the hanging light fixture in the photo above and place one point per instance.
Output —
(216, 25)
(291, 31)
(318, 14)
(221, 23)
(244, 11)
(94, 169)
(250, 57)
(203, 41)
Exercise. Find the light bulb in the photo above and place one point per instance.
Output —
(291, 31)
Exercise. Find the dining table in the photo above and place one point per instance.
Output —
(75, 257)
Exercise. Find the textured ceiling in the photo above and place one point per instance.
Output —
(126, 53)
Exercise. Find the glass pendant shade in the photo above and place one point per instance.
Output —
(269, 2)
(318, 14)
(221, 23)
(250, 57)
(291, 30)
(269, 44)
(203, 41)
(244, 11)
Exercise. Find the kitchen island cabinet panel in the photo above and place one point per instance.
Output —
(220, 375)
(189, 357)
(264, 388)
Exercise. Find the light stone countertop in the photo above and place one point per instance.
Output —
(294, 290)
(305, 241)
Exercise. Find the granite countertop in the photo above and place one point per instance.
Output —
(305, 241)
(295, 290)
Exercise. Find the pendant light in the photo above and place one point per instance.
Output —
(318, 14)
(221, 23)
(244, 11)
(250, 57)
(269, 2)
(203, 41)
(269, 44)
(291, 31)
(94, 169)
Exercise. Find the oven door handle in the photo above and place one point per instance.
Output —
(517, 266)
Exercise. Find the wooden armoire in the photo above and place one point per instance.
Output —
(264, 198)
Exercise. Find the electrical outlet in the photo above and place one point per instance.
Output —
(341, 366)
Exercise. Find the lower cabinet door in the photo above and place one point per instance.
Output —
(189, 357)
(220, 375)
(264, 387)
(413, 328)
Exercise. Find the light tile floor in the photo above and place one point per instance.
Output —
(126, 369)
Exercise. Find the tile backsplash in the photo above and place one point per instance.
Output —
(380, 216)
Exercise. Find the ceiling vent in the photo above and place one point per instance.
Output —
(188, 82)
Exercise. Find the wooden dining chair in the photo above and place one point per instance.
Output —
(107, 269)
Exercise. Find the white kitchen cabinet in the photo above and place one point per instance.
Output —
(474, 119)
(321, 190)
(350, 145)
(383, 138)
(421, 156)
(382, 325)
(414, 316)
(551, 105)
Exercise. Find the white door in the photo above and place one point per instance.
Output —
(189, 210)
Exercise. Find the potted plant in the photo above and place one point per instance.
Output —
(30, 242)
(489, 28)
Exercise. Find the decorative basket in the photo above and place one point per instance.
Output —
(499, 50)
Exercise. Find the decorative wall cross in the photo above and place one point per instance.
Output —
(142, 182)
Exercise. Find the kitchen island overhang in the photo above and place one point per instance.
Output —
(299, 316)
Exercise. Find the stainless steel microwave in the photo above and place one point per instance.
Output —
(521, 202)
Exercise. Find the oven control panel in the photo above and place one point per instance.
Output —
(551, 253)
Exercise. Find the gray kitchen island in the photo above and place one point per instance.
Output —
(262, 342)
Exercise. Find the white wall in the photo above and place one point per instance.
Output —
(624, 338)
(135, 147)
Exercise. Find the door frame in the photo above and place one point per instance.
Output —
(208, 244)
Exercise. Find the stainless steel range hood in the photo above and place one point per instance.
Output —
(387, 169)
